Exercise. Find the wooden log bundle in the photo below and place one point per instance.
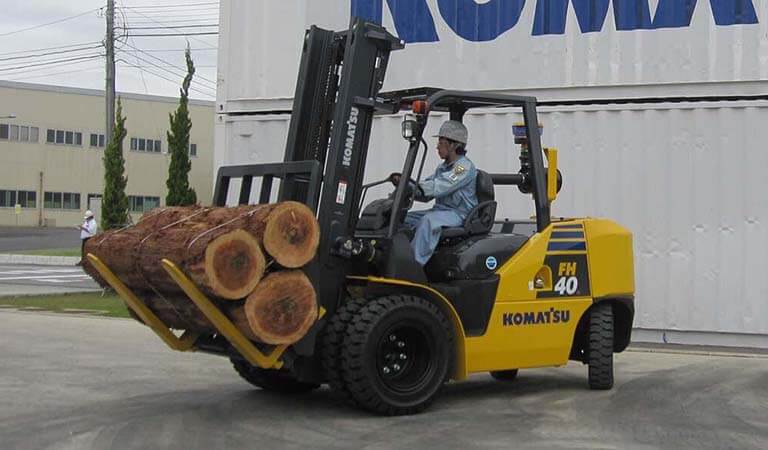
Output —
(226, 253)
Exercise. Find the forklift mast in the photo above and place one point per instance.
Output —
(336, 96)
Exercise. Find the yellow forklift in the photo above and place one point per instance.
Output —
(498, 295)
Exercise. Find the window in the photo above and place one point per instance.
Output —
(97, 140)
(140, 203)
(193, 150)
(27, 199)
(146, 145)
(92, 197)
(10, 198)
(71, 200)
(61, 200)
(65, 137)
(21, 133)
(7, 199)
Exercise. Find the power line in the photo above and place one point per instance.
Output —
(15, 52)
(169, 50)
(3, 69)
(176, 34)
(60, 52)
(160, 23)
(50, 23)
(176, 74)
(180, 5)
(71, 61)
(64, 72)
(175, 82)
(183, 70)
(173, 27)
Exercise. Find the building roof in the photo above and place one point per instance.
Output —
(98, 93)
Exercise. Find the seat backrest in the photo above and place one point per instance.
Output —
(484, 187)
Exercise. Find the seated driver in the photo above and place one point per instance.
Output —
(452, 186)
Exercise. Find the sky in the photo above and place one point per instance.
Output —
(59, 42)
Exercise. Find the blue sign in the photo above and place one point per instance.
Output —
(475, 22)
(491, 263)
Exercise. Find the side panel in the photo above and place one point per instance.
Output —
(610, 258)
(527, 334)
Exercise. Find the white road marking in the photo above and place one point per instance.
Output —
(43, 277)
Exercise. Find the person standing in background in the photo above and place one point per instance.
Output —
(87, 231)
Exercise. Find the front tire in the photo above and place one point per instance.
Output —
(280, 381)
(397, 353)
(600, 347)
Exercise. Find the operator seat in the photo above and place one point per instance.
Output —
(480, 219)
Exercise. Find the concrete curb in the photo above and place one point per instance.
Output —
(38, 260)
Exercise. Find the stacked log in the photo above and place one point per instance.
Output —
(226, 252)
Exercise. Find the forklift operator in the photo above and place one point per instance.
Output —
(452, 186)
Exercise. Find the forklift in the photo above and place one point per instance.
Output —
(498, 295)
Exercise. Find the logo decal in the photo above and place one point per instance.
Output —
(491, 263)
(536, 318)
(346, 160)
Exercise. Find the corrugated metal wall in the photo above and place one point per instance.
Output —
(687, 179)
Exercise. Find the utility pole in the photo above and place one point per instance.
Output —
(110, 89)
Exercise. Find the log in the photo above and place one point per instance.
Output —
(218, 248)
(282, 308)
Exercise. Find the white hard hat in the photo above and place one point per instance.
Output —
(453, 130)
(88, 214)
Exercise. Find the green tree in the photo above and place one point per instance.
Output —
(179, 192)
(114, 205)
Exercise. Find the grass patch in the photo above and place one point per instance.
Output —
(109, 305)
(49, 252)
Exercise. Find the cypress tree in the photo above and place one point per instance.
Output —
(179, 192)
(114, 204)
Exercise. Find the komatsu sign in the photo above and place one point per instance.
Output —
(485, 21)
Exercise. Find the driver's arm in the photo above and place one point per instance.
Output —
(446, 183)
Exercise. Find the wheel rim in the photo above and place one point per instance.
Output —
(405, 358)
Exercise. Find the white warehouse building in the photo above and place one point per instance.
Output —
(658, 109)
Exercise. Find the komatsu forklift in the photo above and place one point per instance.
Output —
(497, 296)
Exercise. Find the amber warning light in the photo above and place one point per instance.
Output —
(419, 107)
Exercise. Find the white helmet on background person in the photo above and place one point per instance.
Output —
(88, 214)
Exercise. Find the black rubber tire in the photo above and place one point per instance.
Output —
(333, 339)
(504, 375)
(384, 330)
(271, 380)
(600, 347)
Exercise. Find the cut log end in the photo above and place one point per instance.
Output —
(283, 308)
(292, 234)
(234, 264)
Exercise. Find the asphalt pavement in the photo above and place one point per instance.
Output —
(73, 382)
(33, 238)
(39, 280)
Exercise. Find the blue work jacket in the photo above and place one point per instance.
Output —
(452, 186)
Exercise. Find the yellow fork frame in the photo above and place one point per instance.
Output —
(187, 340)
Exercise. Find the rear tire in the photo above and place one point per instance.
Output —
(600, 347)
(333, 339)
(397, 354)
(271, 380)
(504, 375)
